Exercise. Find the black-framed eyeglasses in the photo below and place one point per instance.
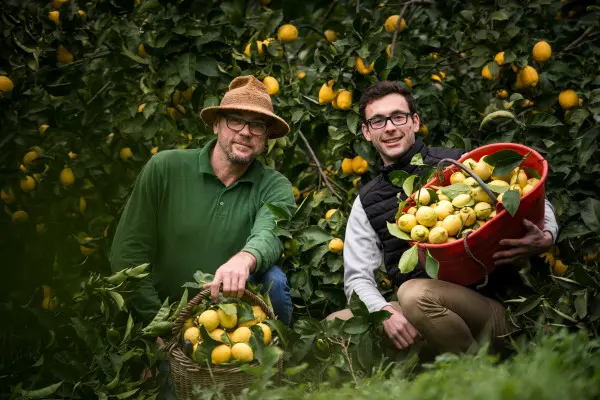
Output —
(257, 128)
(379, 122)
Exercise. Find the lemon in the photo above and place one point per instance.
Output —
(438, 235)
(142, 51)
(189, 323)
(451, 239)
(192, 334)
(359, 165)
(426, 216)
(344, 100)
(559, 269)
(217, 333)
(125, 153)
(154, 150)
(301, 75)
(82, 205)
(469, 162)
(439, 223)
(533, 181)
(406, 222)
(287, 33)
(27, 184)
(259, 316)
(499, 58)
(267, 333)
(347, 166)
(392, 21)
(336, 245)
(529, 77)
(464, 232)
(30, 157)
(20, 216)
(467, 215)
(492, 215)
(330, 35)
(242, 352)
(227, 321)
(470, 181)
(54, 16)
(7, 195)
(6, 85)
(194, 351)
(221, 354)
(521, 179)
(423, 197)
(330, 213)
(412, 210)
(568, 99)
(210, 320)
(457, 177)
(485, 72)
(419, 233)
(482, 210)
(43, 128)
(388, 50)
(498, 182)
(424, 130)
(63, 55)
(272, 85)
(241, 335)
(502, 94)
(479, 195)
(526, 189)
(362, 68)
(461, 200)
(141, 107)
(541, 51)
(482, 170)
(452, 224)
(408, 83)
(326, 94)
(443, 208)
(436, 78)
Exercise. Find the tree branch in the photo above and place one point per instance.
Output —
(314, 157)
(576, 41)
(406, 4)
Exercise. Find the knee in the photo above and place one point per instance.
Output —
(276, 279)
(342, 314)
(411, 294)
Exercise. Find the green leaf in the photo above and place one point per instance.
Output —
(581, 301)
(467, 15)
(207, 66)
(497, 189)
(511, 200)
(280, 328)
(41, 393)
(128, 394)
(454, 190)
(187, 68)
(432, 266)
(134, 56)
(280, 213)
(364, 351)
(160, 316)
(495, 115)
(528, 305)
(417, 159)
(408, 185)
(395, 231)
(398, 177)
(128, 329)
(357, 306)
(312, 236)
(117, 299)
(590, 213)
(504, 161)
(352, 120)
(244, 312)
(229, 309)
(356, 325)
(542, 120)
(409, 260)
(499, 16)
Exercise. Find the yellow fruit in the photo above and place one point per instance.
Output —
(559, 269)
(492, 215)
(485, 72)
(460, 201)
(424, 130)
(541, 51)
(419, 233)
(217, 333)
(336, 245)
(287, 33)
(326, 94)
(192, 334)
(82, 14)
(330, 35)
(528, 77)
(272, 85)
(344, 100)
(187, 94)
(522, 179)
(406, 222)
(426, 216)
(469, 163)
(82, 205)
(470, 181)
(296, 193)
(408, 82)
(359, 165)
(267, 334)
(247, 50)
(220, 354)
(482, 170)
(423, 197)
(6, 85)
(568, 99)
(533, 181)
(242, 352)
(20, 216)
(435, 56)
(30, 157)
(210, 320)
(154, 150)
(23, 168)
(125, 153)
(467, 214)
(57, 3)
(227, 321)
(465, 231)
(54, 16)
(189, 323)
(443, 209)
(412, 211)
(442, 196)
(526, 189)
(442, 74)
(63, 55)
(142, 51)
(499, 58)
(329, 213)
(392, 21)
(457, 177)
(301, 75)
(479, 195)
(361, 68)
(43, 128)
(388, 50)
(141, 107)
(72, 155)
(7, 195)
(241, 335)
(516, 187)
(355, 182)
(501, 94)
(482, 210)
(436, 78)
(438, 235)
(27, 184)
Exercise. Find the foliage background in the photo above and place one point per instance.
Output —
(91, 107)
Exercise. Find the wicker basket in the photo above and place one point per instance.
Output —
(187, 374)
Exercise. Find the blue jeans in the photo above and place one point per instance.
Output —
(279, 293)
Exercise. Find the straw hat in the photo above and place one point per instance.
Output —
(246, 93)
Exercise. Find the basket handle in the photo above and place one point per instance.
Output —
(486, 272)
(474, 176)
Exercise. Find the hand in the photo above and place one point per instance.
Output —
(233, 275)
(534, 242)
(398, 329)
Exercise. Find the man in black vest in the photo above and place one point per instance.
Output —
(449, 317)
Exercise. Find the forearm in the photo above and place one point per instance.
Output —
(550, 223)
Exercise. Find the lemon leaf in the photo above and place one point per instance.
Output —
(511, 200)
(229, 309)
(409, 260)
(395, 231)
(432, 266)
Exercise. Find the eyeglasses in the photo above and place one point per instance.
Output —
(379, 122)
(257, 128)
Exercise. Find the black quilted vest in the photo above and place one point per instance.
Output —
(380, 202)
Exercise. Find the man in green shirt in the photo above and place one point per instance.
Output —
(204, 209)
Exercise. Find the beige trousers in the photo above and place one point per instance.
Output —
(449, 317)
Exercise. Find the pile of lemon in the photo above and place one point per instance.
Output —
(224, 328)
(450, 219)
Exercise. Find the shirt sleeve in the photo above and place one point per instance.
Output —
(135, 240)
(362, 258)
(263, 242)
(550, 223)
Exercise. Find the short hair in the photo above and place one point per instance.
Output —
(382, 89)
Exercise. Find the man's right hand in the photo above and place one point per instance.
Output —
(398, 329)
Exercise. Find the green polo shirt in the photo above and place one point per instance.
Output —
(181, 218)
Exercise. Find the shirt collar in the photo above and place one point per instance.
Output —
(251, 175)
(404, 161)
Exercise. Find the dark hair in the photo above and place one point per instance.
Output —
(382, 89)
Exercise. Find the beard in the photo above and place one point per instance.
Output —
(236, 157)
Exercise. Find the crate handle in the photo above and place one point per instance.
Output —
(486, 273)
(474, 176)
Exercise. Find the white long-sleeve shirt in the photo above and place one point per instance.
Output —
(363, 255)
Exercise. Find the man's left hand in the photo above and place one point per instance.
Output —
(534, 242)
(233, 275)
